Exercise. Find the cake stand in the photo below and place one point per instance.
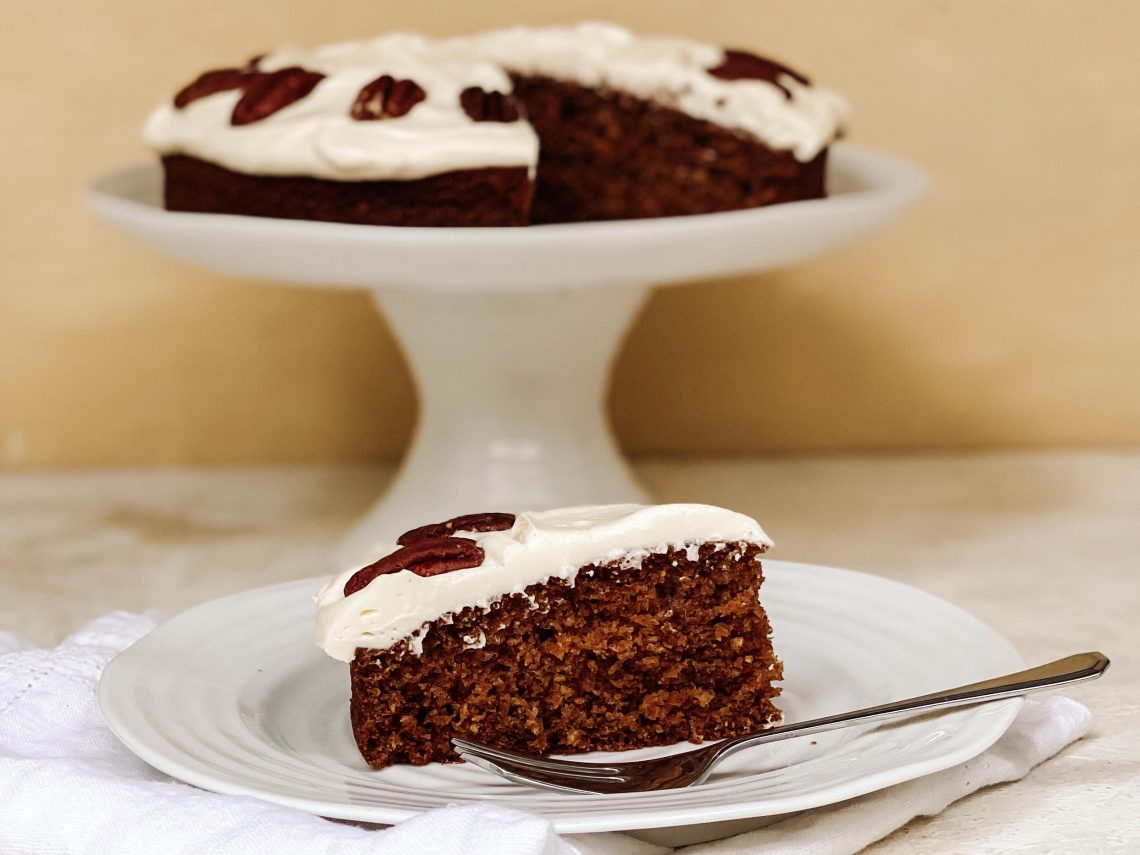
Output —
(511, 332)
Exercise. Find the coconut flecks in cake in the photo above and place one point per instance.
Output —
(634, 557)
(475, 642)
(416, 640)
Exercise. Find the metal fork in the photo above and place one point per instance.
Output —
(692, 767)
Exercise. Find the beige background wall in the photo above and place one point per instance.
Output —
(1004, 312)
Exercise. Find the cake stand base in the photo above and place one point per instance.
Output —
(512, 387)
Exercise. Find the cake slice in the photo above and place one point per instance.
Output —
(594, 628)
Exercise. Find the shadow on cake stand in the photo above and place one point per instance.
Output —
(511, 332)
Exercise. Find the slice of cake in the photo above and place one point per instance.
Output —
(509, 127)
(594, 628)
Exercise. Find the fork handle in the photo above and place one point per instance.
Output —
(1063, 672)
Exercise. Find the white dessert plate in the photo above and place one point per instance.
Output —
(233, 696)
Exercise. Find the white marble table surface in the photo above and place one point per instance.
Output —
(1045, 547)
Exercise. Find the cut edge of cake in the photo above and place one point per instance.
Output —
(652, 643)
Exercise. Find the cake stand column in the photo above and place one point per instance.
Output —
(512, 387)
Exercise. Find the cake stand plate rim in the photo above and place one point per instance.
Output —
(665, 250)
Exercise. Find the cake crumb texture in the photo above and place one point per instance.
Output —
(625, 657)
(610, 156)
(494, 196)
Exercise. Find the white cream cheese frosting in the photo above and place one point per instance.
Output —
(538, 547)
(317, 136)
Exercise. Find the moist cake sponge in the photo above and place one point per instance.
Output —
(653, 643)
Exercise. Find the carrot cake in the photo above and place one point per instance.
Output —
(593, 628)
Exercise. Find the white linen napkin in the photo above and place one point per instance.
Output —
(68, 786)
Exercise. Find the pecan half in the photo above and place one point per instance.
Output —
(469, 522)
(269, 92)
(483, 106)
(209, 82)
(424, 558)
(742, 65)
(386, 98)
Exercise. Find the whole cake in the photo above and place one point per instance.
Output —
(594, 628)
(510, 127)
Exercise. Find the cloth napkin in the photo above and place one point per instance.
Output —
(68, 787)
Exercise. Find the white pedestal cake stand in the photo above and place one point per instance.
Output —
(511, 332)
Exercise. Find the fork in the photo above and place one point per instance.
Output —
(688, 768)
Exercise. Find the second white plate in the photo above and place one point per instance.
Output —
(233, 696)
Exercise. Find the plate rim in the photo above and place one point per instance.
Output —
(883, 174)
(627, 817)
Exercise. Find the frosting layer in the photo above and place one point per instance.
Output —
(317, 135)
(540, 546)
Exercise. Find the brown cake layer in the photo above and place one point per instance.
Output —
(611, 156)
(625, 657)
(473, 197)
(602, 156)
